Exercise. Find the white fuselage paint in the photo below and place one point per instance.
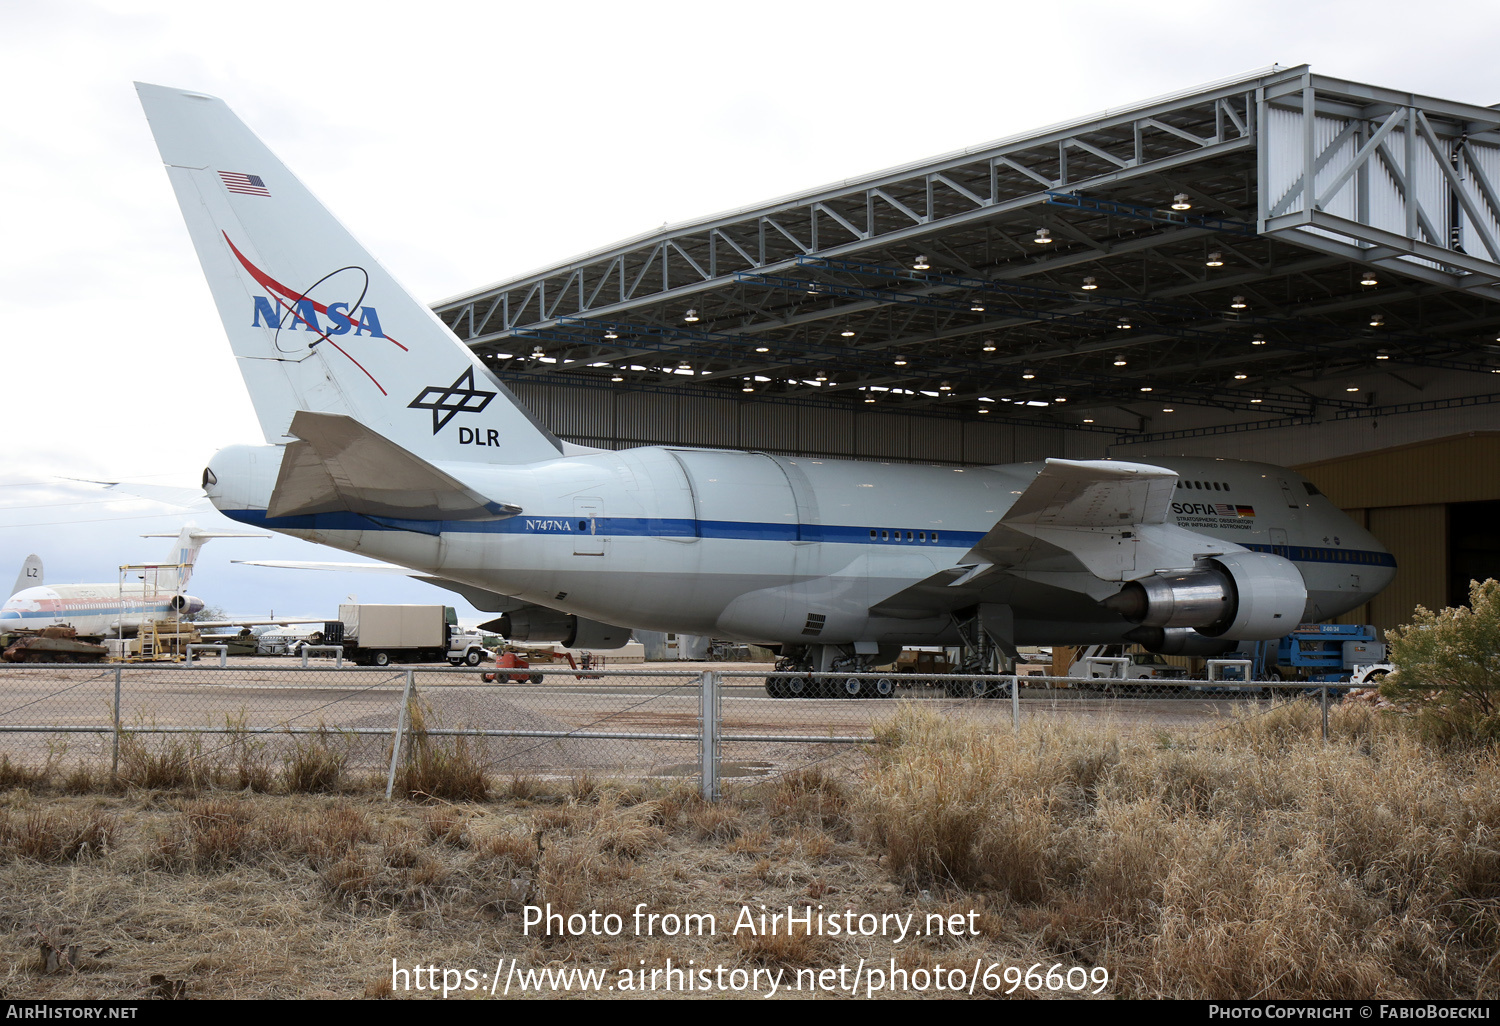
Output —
(745, 545)
(94, 610)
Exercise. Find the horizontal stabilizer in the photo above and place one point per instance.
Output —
(300, 564)
(341, 465)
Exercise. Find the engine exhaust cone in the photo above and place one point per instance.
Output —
(1130, 603)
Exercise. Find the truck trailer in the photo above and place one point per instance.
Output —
(378, 635)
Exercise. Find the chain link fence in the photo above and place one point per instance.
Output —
(244, 725)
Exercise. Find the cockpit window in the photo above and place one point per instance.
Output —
(1312, 489)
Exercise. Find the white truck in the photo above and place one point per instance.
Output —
(378, 635)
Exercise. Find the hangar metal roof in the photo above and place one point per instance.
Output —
(1079, 276)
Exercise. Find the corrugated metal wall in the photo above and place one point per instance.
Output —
(1401, 495)
(1307, 443)
(618, 420)
(1418, 537)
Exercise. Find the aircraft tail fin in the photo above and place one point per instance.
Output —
(183, 554)
(316, 323)
(30, 575)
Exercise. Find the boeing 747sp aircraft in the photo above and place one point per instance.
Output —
(388, 437)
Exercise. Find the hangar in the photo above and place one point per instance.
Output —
(1154, 279)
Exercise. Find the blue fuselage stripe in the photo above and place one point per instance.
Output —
(664, 527)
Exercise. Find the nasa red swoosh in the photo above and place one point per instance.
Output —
(273, 285)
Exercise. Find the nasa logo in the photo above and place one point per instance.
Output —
(303, 314)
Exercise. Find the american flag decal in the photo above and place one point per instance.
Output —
(1225, 509)
(245, 185)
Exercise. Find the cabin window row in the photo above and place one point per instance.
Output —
(1205, 486)
(896, 536)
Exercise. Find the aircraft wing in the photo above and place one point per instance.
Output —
(339, 464)
(247, 622)
(1108, 516)
(480, 598)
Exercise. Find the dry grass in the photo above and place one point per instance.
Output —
(1252, 860)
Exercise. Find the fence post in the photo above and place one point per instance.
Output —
(114, 762)
(1324, 701)
(1015, 702)
(390, 780)
(708, 733)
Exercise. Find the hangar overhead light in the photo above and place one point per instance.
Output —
(1377, 320)
(617, 376)
(537, 353)
(1088, 420)
(1368, 278)
(1382, 355)
(610, 333)
(1090, 283)
(1215, 259)
(869, 398)
(1145, 388)
(1238, 303)
(900, 361)
(1124, 324)
(821, 376)
(505, 356)
(1119, 361)
(847, 333)
(1351, 388)
(1181, 202)
(989, 345)
(977, 306)
(1167, 409)
(945, 387)
(1043, 237)
(1257, 400)
(1241, 376)
(921, 264)
(691, 316)
(1257, 339)
(983, 410)
(1061, 399)
(747, 386)
(683, 367)
(762, 349)
(1028, 374)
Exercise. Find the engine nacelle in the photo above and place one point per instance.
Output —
(1240, 595)
(537, 623)
(182, 605)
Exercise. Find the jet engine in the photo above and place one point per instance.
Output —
(537, 623)
(1240, 595)
(182, 605)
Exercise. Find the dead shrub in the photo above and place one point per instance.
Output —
(15, 774)
(791, 947)
(315, 764)
(717, 823)
(448, 767)
(170, 762)
(43, 836)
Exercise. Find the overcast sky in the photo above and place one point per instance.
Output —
(465, 143)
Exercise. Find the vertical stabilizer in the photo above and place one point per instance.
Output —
(30, 575)
(184, 553)
(315, 322)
